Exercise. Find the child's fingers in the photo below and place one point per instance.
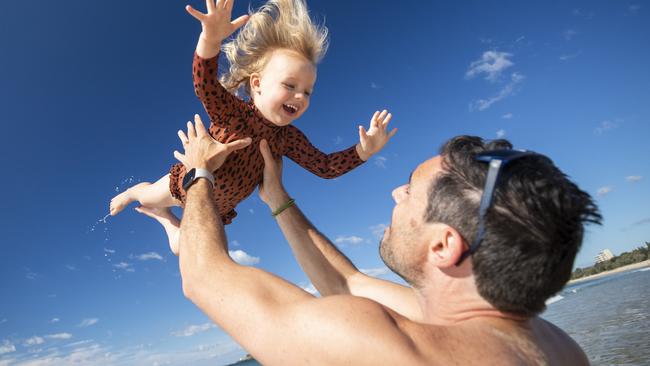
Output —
(240, 21)
(238, 144)
(210, 6)
(194, 13)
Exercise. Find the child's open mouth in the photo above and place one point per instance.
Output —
(290, 108)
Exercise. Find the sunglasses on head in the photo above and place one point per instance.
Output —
(497, 160)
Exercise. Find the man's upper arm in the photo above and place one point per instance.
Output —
(399, 298)
(333, 330)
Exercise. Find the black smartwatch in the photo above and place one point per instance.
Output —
(195, 173)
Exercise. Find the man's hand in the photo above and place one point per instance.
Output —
(216, 23)
(271, 190)
(376, 137)
(201, 150)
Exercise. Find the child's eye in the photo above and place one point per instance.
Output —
(307, 93)
(288, 86)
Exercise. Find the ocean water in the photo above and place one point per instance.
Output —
(609, 317)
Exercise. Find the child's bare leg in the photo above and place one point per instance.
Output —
(166, 218)
(148, 194)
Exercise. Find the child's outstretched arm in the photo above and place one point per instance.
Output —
(216, 26)
(373, 140)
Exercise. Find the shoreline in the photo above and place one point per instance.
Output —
(632, 266)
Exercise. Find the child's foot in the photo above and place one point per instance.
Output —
(119, 202)
(166, 218)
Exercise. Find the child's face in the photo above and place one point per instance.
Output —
(282, 90)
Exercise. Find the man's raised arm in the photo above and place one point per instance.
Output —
(331, 272)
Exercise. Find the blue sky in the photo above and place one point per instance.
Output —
(92, 94)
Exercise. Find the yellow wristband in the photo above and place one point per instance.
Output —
(289, 203)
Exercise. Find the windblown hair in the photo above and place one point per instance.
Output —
(534, 227)
(278, 24)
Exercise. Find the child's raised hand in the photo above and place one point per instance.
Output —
(216, 23)
(373, 140)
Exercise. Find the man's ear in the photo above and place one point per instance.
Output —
(446, 246)
(255, 81)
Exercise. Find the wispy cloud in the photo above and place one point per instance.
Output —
(374, 85)
(126, 267)
(54, 320)
(378, 230)
(501, 133)
(3, 320)
(380, 161)
(30, 275)
(582, 13)
(59, 336)
(7, 347)
(605, 126)
(148, 256)
(235, 243)
(642, 222)
(491, 64)
(243, 258)
(569, 56)
(193, 329)
(633, 178)
(508, 90)
(569, 34)
(633, 9)
(338, 140)
(88, 322)
(507, 116)
(33, 341)
(375, 272)
(604, 190)
(348, 240)
(109, 251)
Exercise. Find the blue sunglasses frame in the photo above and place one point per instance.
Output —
(497, 160)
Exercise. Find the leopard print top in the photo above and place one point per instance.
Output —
(231, 119)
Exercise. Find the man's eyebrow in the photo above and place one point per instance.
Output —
(411, 176)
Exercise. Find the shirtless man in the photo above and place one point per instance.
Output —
(478, 277)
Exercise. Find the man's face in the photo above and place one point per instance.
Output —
(403, 247)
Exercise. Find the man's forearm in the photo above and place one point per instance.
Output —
(326, 266)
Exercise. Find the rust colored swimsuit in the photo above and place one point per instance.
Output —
(231, 119)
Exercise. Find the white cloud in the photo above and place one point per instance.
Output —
(605, 126)
(375, 272)
(243, 258)
(88, 322)
(491, 63)
(633, 178)
(569, 56)
(520, 39)
(7, 347)
(70, 267)
(508, 89)
(603, 191)
(338, 140)
(380, 161)
(109, 251)
(569, 34)
(148, 256)
(581, 13)
(378, 230)
(30, 275)
(374, 85)
(194, 329)
(35, 340)
(59, 336)
(501, 133)
(127, 267)
(507, 116)
(251, 211)
(55, 320)
(234, 243)
(348, 240)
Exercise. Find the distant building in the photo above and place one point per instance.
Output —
(604, 255)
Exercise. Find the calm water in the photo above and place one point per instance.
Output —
(609, 317)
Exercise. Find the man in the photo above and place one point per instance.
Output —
(481, 260)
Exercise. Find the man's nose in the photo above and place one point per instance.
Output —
(398, 193)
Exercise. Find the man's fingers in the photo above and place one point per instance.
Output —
(180, 157)
(238, 144)
(266, 152)
(362, 134)
(181, 135)
(191, 132)
(386, 120)
(198, 125)
(392, 133)
(195, 13)
(237, 23)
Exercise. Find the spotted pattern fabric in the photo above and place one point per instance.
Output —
(231, 119)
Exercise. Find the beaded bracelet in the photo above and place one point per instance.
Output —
(289, 203)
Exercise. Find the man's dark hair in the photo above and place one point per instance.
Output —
(534, 227)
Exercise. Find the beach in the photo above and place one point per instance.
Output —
(629, 267)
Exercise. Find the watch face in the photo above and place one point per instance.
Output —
(189, 178)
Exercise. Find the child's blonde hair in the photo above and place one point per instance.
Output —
(278, 24)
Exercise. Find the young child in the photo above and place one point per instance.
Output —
(273, 62)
